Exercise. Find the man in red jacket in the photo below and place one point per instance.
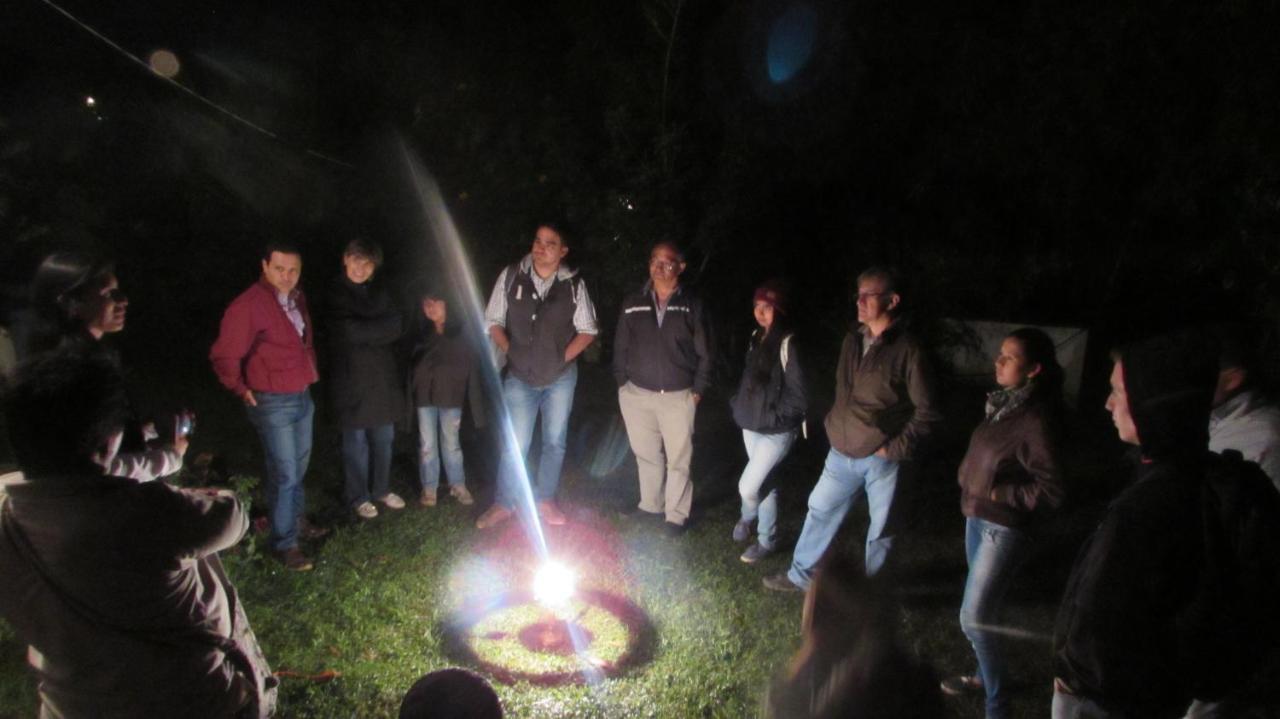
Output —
(264, 354)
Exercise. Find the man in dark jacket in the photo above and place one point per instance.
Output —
(883, 409)
(365, 379)
(542, 318)
(265, 355)
(1150, 619)
(662, 364)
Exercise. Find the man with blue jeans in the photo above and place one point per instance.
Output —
(541, 317)
(265, 355)
(883, 409)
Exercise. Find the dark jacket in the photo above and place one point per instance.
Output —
(117, 585)
(777, 406)
(1015, 457)
(442, 371)
(1124, 635)
(259, 349)
(884, 398)
(540, 328)
(673, 357)
(365, 377)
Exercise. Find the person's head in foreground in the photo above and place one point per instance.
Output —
(65, 412)
(849, 663)
(451, 694)
(1161, 390)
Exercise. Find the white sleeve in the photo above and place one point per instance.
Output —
(584, 313)
(496, 311)
(145, 466)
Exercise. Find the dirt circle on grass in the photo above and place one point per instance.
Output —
(516, 639)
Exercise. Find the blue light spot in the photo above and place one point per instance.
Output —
(791, 42)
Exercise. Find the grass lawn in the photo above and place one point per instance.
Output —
(377, 608)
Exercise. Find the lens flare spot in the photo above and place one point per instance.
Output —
(164, 63)
(791, 41)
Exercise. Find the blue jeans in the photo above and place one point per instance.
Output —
(283, 422)
(994, 553)
(450, 420)
(363, 449)
(764, 452)
(843, 479)
(524, 403)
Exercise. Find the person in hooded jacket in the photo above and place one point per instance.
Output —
(365, 377)
(1008, 476)
(1153, 616)
(769, 406)
(440, 378)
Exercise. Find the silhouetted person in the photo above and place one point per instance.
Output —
(1173, 596)
(451, 694)
(850, 663)
(115, 585)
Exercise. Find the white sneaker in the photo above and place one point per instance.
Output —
(366, 510)
(460, 493)
(392, 500)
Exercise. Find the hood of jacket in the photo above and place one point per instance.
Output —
(563, 272)
(1169, 381)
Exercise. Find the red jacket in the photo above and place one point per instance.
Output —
(259, 349)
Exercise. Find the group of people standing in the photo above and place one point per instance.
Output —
(1134, 632)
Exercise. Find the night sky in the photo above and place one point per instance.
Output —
(1033, 162)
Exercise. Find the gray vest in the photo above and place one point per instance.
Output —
(540, 328)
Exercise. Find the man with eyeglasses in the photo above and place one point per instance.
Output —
(541, 317)
(883, 409)
(662, 363)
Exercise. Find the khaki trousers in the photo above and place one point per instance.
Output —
(660, 427)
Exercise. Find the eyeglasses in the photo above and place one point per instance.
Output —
(663, 265)
(115, 294)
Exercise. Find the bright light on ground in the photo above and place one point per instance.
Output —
(553, 584)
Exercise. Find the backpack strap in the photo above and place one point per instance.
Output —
(783, 355)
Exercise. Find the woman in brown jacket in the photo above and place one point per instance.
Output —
(1007, 473)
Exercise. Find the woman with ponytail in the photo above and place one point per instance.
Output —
(1008, 478)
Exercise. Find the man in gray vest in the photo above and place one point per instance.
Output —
(539, 314)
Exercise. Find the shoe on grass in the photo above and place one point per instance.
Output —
(550, 513)
(671, 529)
(493, 516)
(366, 510)
(294, 560)
(460, 493)
(309, 531)
(391, 500)
(755, 553)
(961, 685)
(742, 530)
(780, 582)
(427, 498)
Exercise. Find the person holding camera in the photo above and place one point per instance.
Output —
(119, 621)
(77, 302)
